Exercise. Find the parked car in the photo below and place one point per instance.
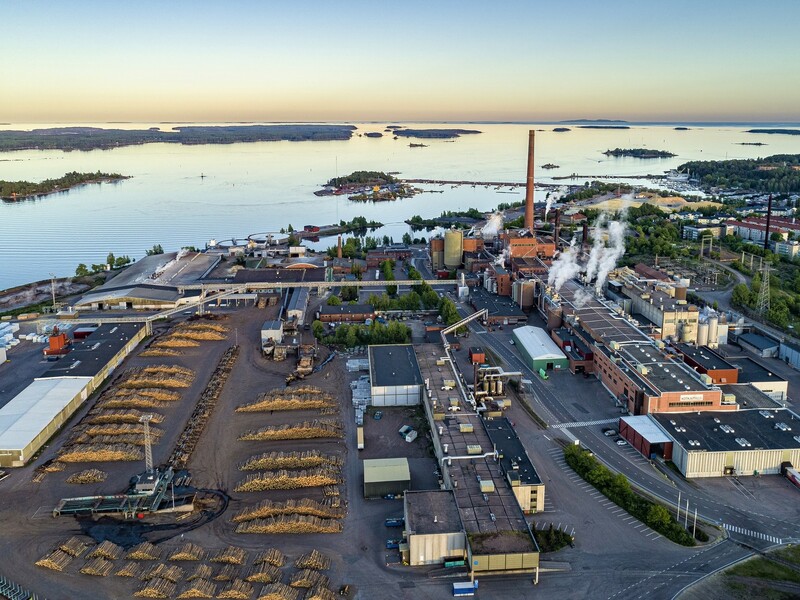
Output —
(609, 432)
(378, 415)
(392, 544)
(620, 442)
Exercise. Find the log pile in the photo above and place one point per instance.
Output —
(98, 566)
(273, 461)
(155, 350)
(321, 592)
(57, 560)
(327, 509)
(315, 560)
(271, 556)
(308, 578)
(187, 441)
(200, 572)
(139, 398)
(123, 416)
(144, 551)
(157, 376)
(232, 555)
(330, 491)
(299, 431)
(74, 546)
(156, 588)
(101, 453)
(112, 429)
(201, 588)
(278, 591)
(171, 573)
(107, 550)
(226, 573)
(238, 589)
(263, 573)
(130, 569)
(290, 524)
(174, 341)
(188, 551)
(87, 476)
(307, 398)
(289, 480)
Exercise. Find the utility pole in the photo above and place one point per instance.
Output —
(686, 521)
(53, 289)
(694, 527)
(762, 307)
(678, 518)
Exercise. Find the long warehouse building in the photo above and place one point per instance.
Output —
(41, 409)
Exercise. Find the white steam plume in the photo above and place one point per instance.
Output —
(580, 298)
(493, 226)
(565, 267)
(597, 248)
(611, 253)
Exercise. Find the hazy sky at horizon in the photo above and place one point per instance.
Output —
(93, 61)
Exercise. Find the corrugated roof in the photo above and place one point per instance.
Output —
(379, 470)
(537, 342)
(647, 428)
(30, 411)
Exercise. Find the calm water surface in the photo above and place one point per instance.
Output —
(260, 187)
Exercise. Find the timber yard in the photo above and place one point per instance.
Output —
(195, 429)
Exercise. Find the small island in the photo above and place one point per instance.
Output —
(432, 134)
(681, 129)
(413, 145)
(638, 153)
(775, 131)
(373, 134)
(561, 129)
(751, 144)
(604, 126)
(11, 191)
(367, 186)
(550, 166)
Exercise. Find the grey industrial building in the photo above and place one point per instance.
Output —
(298, 304)
(516, 465)
(384, 476)
(271, 331)
(394, 375)
(748, 442)
(433, 528)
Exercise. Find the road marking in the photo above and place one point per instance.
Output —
(584, 423)
(751, 533)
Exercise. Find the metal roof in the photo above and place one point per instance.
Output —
(32, 410)
(398, 365)
(346, 309)
(537, 343)
(91, 355)
(379, 470)
(299, 299)
(647, 428)
(759, 341)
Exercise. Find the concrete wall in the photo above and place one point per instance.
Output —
(530, 497)
(401, 395)
(521, 561)
(777, 390)
(431, 549)
(744, 462)
(382, 488)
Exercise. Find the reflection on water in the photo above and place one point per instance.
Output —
(186, 195)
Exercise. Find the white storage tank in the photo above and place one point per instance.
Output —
(713, 330)
(702, 334)
(453, 248)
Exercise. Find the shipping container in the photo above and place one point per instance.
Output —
(360, 437)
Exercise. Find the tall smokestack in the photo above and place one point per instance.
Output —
(529, 184)
(585, 236)
(769, 216)
(339, 248)
(557, 227)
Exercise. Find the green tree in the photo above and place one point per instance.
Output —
(81, 270)
(156, 249)
(334, 300)
(349, 292)
(318, 329)
(407, 239)
(658, 517)
(290, 229)
(110, 260)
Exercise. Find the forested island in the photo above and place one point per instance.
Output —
(430, 134)
(604, 126)
(779, 173)
(561, 129)
(639, 153)
(96, 138)
(19, 190)
(681, 129)
(367, 186)
(775, 131)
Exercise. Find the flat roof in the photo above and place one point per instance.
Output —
(759, 341)
(347, 309)
(751, 371)
(537, 342)
(706, 428)
(91, 355)
(272, 324)
(647, 428)
(513, 456)
(30, 411)
(749, 397)
(665, 374)
(496, 305)
(379, 470)
(432, 511)
(705, 357)
(279, 275)
(398, 365)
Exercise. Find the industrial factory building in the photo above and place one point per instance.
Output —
(271, 331)
(385, 476)
(298, 304)
(433, 528)
(394, 375)
(644, 435)
(37, 412)
(517, 467)
(538, 350)
(743, 443)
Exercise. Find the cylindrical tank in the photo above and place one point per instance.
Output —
(702, 334)
(499, 388)
(493, 387)
(687, 333)
(437, 257)
(437, 244)
(486, 385)
(713, 330)
(453, 248)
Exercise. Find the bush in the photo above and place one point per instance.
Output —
(617, 489)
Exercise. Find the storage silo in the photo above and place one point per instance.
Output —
(437, 253)
(453, 248)
(713, 331)
(702, 334)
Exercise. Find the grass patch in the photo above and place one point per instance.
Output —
(743, 591)
(791, 553)
(761, 568)
(551, 540)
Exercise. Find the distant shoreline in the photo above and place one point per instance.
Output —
(56, 187)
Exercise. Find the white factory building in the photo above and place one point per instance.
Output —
(394, 375)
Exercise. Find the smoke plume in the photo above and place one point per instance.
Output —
(493, 226)
(565, 267)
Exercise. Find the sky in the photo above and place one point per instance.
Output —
(66, 61)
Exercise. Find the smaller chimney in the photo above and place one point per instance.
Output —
(585, 236)
(557, 227)
(339, 248)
